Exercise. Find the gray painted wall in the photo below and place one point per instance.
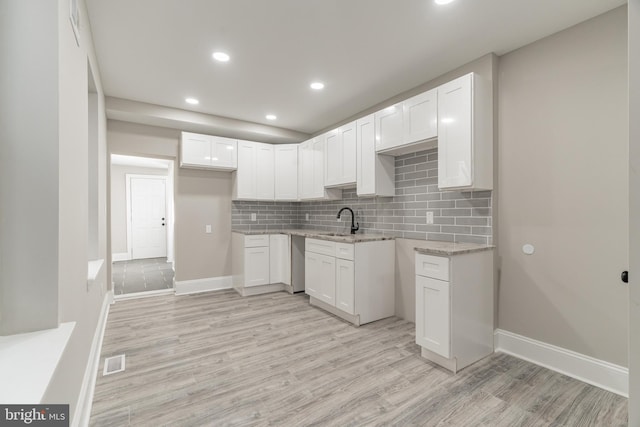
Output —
(77, 302)
(634, 201)
(201, 198)
(563, 188)
(29, 133)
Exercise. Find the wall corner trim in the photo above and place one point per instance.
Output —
(608, 376)
(185, 287)
(85, 399)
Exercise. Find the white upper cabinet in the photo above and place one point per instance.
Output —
(420, 117)
(465, 134)
(389, 127)
(340, 156)
(208, 152)
(311, 171)
(286, 172)
(254, 179)
(265, 187)
(305, 170)
(408, 126)
(375, 172)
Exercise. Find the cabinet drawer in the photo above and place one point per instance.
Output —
(256, 241)
(323, 247)
(435, 267)
(344, 251)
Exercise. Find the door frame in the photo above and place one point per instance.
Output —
(633, 9)
(167, 207)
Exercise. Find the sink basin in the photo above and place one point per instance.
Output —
(338, 234)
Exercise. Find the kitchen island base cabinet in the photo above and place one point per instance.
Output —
(354, 281)
(454, 308)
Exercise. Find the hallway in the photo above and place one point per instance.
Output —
(141, 275)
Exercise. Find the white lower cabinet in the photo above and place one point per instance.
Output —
(433, 321)
(260, 263)
(345, 285)
(256, 266)
(354, 281)
(454, 307)
(280, 259)
(327, 275)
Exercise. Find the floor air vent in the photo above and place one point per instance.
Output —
(113, 364)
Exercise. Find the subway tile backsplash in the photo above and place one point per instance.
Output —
(458, 216)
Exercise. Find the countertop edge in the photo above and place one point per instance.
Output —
(320, 235)
(453, 250)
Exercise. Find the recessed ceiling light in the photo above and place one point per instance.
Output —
(192, 101)
(443, 1)
(317, 85)
(221, 56)
(271, 117)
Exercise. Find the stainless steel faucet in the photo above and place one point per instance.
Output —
(354, 226)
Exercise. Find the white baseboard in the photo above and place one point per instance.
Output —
(185, 287)
(593, 371)
(85, 399)
(122, 256)
(147, 294)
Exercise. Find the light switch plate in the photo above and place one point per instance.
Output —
(207, 228)
(253, 217)
(306, 217)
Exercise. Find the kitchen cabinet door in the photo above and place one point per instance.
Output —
(333, 158)
(455, 138)
(195, 150)
(265, 187)
(340, 156)
(317, 149)
(345, 285)
(245, 176)
(375, 172)
(327, 279)
(420, 117)
(312, 279)
(433, 320)
(279, 259)
(348, 154)
(389, 127)
(256, 266)
(286, 172)
(305, 170)
(224, 153)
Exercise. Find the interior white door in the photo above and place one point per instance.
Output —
(148, 217)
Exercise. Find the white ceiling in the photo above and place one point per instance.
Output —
(366, 51)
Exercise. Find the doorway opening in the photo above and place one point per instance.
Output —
(142, 225)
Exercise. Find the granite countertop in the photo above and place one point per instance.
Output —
(432, 247)
(322, 235)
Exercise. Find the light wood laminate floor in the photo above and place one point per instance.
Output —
(218, 359)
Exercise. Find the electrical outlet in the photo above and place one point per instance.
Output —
(429, 217)
(306, 217)
(207, 228)
(254, 217)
